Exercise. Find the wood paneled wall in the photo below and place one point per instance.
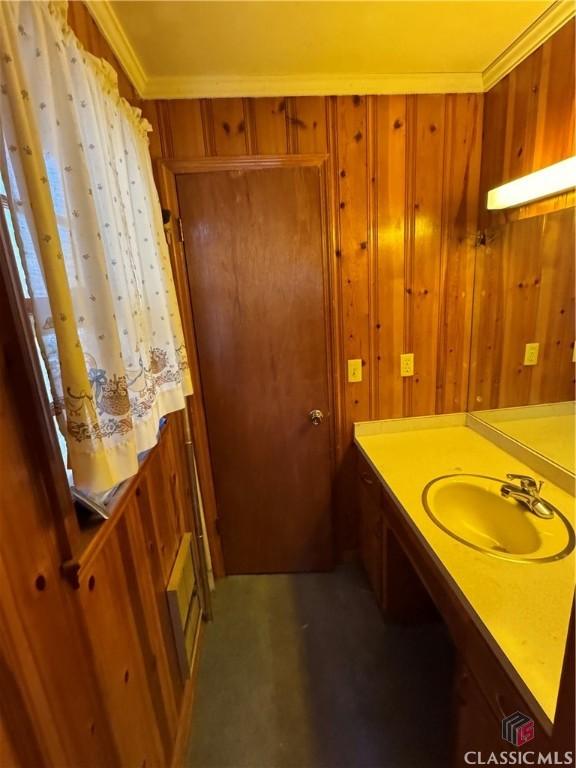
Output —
(404, 195)
(88, 675)
(407, 190)
(524, 288)
(88, 671)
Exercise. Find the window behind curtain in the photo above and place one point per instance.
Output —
(27, 243)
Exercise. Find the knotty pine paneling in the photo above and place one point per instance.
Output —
(405, 200)
(524, 293)
(529, 115)
(404, 196)
(524, 285)
(89, 674)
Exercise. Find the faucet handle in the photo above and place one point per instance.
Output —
(527, 482)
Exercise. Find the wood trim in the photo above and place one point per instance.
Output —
(167, 171)
(212, 86)
(255, 86)
(241, 162)
(333, 192)
(169, 198)
(333, 372)
(107, 22)
(75, 567)
(27, 366)
(554, 17)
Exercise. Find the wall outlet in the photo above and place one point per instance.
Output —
(407, 364)
(531, 353)
(355, 370)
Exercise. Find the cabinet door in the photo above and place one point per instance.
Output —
(370, 527)
(477, 729)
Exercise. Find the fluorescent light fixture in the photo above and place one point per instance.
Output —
(548, 181)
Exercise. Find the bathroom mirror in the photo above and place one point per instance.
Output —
(522, 350)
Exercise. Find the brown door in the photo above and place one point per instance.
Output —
(254, 250)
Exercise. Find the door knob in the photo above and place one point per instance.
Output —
(316, 417)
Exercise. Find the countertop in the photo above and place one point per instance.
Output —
(546, 428)
(524, 607)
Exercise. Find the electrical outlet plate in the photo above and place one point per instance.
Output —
(355, 370)
(531, 353)
(407, 364)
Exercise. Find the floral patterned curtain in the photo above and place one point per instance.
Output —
(75, 163)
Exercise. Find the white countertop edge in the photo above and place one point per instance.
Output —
(409, 424)
(552, 471)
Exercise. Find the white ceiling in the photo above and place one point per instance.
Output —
(230, 48)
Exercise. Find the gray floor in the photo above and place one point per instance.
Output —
(302, 672)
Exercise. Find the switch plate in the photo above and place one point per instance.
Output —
(355, 370)
(531, 353)
(407, 364)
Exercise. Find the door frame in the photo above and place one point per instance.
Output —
(167, 171)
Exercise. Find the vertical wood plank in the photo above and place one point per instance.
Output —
(486, 346)
(185, 120)
(228, 126)
(460, 207)
(493, 151)
(555, 138)
(391, 237)
(308, 121)
(555, 315)
(269, 122)
(423, 290)
(521, 118)
(110, 626)
(353, 251)
(522, 265)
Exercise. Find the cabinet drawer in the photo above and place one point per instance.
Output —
(368, 479)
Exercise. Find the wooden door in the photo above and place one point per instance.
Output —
(256, 268)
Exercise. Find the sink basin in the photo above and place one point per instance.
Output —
(470, 509)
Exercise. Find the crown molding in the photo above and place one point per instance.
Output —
(107, 22)
(533, 36)
(213, 86)
(310, 85)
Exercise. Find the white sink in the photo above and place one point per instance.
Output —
(470, 508)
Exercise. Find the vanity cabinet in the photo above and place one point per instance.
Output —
(397, 587)
(371, 548)
(476, 727)
(411, 587)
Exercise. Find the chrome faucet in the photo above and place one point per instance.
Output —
(528, 493)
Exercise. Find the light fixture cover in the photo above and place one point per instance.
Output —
(548, 181)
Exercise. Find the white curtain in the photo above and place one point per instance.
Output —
(75, 163)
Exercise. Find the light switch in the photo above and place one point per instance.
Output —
(355, 370)
(531, 353)
(407, 364)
